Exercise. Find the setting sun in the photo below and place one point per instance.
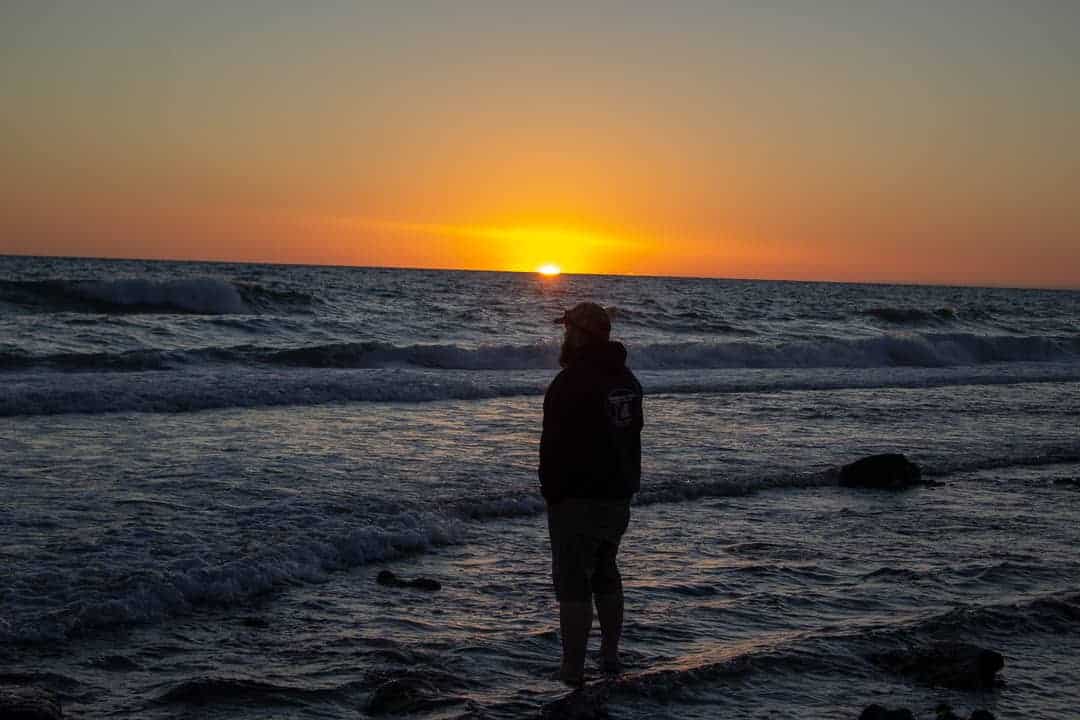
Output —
(548, 269)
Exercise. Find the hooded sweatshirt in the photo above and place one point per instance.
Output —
(591, 442)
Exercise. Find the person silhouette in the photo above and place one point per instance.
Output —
(590, 469)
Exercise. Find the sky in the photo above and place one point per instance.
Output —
(918, 141)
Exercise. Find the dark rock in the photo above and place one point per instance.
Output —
(982, 715)
(877, 712)
(28, 703)
(945, 712)
(1070, 482)
(255, 622)
(952, 665)
(401, 695)
(385, 577)
(890, 471)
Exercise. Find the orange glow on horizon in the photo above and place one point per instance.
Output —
(518, 247)
(828, 252)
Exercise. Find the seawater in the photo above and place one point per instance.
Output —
(204, 466)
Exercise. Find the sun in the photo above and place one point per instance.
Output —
(549, 269)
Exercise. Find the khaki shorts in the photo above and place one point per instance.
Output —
(585, 537)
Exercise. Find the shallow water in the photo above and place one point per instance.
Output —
(758, 588)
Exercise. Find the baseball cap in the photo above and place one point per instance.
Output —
(589, 318)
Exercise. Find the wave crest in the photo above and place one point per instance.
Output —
(198, 296)
(29, 393)
(893, 350)
(930, 350)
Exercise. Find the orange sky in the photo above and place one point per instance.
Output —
(907, 144)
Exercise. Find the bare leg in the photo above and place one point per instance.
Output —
(609, 608)
(575, 622)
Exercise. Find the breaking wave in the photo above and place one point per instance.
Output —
(895, 350)
(198, 296)
(104, 392)
(153, 596)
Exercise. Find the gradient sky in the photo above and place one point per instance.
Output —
(908, 141)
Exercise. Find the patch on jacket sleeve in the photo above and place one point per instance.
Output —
(620, 405)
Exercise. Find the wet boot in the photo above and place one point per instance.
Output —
(575, 621)
(609, 609)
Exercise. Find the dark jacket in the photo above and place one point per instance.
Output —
(591, 443)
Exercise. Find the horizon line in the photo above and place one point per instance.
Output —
(1054, 288)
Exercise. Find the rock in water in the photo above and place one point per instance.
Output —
(878, 712)
(389, 579)
(945, 712)
(385, 577)
(28, 703)
(982, 715)
(952, 665)
(890, 471)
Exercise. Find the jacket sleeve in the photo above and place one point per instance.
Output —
(553, 452)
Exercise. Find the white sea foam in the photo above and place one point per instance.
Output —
(153, 593)
(196, 295)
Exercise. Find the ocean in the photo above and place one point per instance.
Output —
(203, 467)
